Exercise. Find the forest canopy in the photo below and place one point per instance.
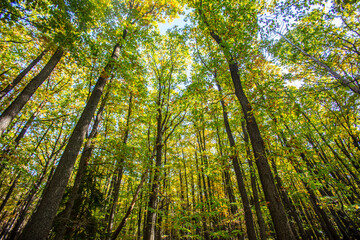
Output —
(242, 123)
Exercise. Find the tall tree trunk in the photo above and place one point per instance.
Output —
(138, 235)
(26, 127)
(205, 191)
(119, 171)
(289, 206)
(8, 151)
(131, 206)
(260, 218)
(325, 222)
(64, 217)
(250, 228)
(115, 197)
(227, 179)
(15, 107)
(25, 205)
(151, 215)
(10, 191)
(40, 223)
(277, 211)
(21, 75)
(201, 200)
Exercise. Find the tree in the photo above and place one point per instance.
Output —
(276, 208)
(40, 224)
(168, 73)
(220, 129)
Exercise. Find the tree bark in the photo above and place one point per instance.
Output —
(64, 217)
(151, 215)
(15, 107)
(277, 211)
(40, 223)
(260, 218)
(250, 228)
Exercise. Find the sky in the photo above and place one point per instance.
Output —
(180, 22)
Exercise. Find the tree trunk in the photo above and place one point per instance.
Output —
(120, 169)
(22, 74)
(11, 189)
(64, 217)
(227, 179)
(8, 151)
(138, 235)
(325, 222)
(25, 205)
(201, 200)
(250, 229)
(128, 212)
(15, 107)
(277, 211)
(260, 218)
(40, 223)
(151, 215)
(289, 206)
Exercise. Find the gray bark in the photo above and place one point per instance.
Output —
(39, 226)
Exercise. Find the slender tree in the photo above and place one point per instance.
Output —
(21, 75)
(277, 211)
(15, 107)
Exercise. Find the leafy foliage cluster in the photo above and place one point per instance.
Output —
(171, 149)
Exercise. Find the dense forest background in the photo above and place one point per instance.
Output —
(242, 124)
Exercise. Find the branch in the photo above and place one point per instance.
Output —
(181, 120)
(337, 76)
(13, 41)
